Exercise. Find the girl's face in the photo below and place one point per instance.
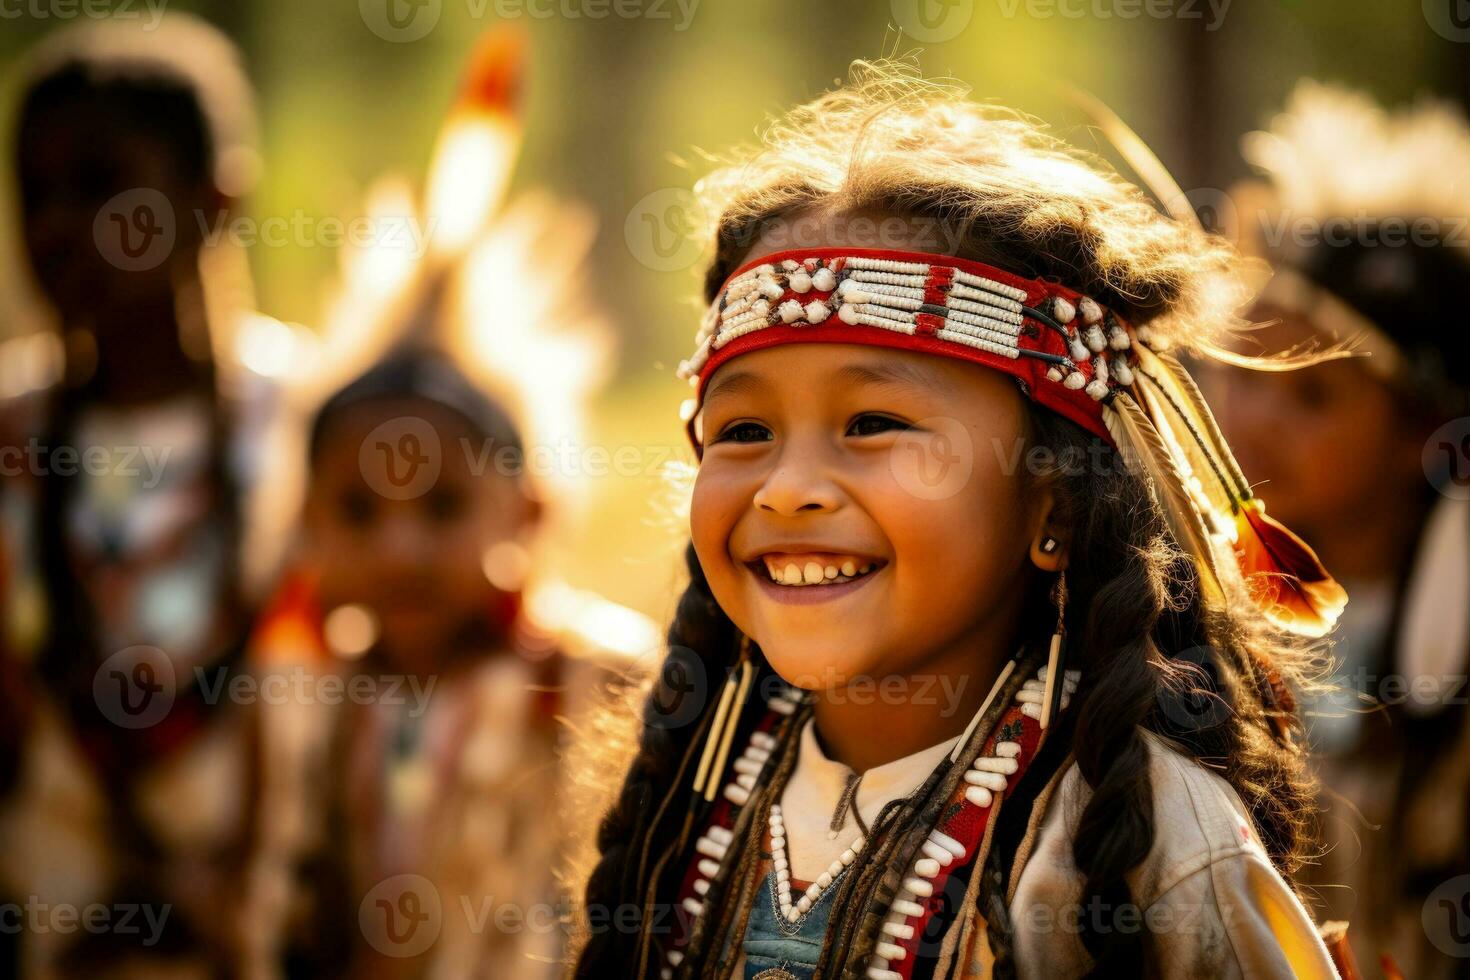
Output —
(412, 549)
(860, 512)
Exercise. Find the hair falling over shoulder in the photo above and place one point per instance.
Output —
(1154, 655)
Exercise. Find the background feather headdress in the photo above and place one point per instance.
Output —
(1365, 214)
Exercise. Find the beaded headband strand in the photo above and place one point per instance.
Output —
(1068, 353)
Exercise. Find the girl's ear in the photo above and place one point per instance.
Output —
(1048, 541)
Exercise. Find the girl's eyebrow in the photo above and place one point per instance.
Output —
(734, 383)
(896, 374)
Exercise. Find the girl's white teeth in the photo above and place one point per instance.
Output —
(816, 573)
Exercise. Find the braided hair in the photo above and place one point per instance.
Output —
(638, 828)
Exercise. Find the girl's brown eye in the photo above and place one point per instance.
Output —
(745, 432)
(872, 425)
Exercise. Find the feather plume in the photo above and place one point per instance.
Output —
(1138, 155)
(497, 281)
(1294, 359)
(1282, 573)
(1193, 400)
(1147, 453)
(478, 145)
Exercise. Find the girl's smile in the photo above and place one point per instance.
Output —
(812, 577)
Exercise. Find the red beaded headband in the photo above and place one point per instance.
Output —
(1068, 352)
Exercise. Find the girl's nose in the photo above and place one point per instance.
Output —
(798, 483)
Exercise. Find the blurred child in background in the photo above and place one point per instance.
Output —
(415, 828)
(124, 529)
(1364, 220)
(440, 789)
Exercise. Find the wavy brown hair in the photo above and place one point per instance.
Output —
(1155, 657)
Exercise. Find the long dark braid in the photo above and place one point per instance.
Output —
(1151, 659)
(646, 818)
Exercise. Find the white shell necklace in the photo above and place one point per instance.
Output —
(814, 891)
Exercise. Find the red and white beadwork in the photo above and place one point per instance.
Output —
(712, 846)
(1069, 352)
(1010, 748)
(949, 846)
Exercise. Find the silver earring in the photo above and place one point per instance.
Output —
(1049, 544)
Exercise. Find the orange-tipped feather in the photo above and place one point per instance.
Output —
(1284, 573)
(495, 78)
(478, 146)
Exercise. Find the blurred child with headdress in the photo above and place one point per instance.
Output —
(124, 526)
(413, 830)
(1363, 215)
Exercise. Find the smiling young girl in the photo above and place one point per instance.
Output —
(975, 473)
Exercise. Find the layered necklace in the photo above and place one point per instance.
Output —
(803, 905)
(950, 846)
